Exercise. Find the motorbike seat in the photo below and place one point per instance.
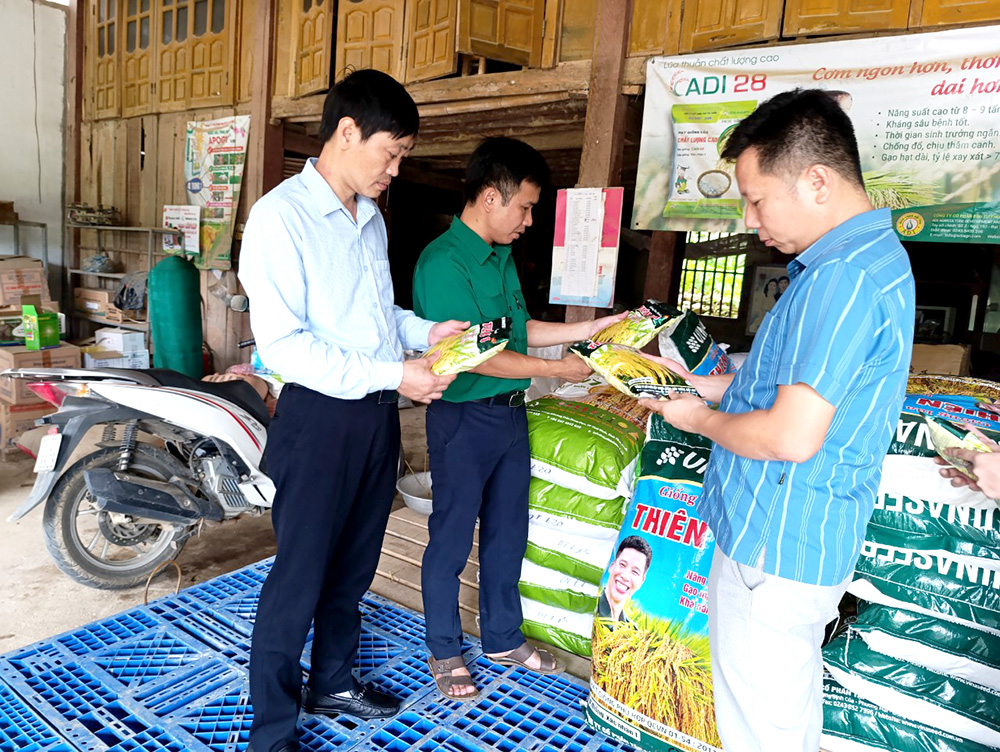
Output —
(238, 391)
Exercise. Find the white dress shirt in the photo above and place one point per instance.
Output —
(322, 309)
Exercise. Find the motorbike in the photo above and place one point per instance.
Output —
(173, 452)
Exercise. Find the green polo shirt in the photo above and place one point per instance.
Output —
(460, 276)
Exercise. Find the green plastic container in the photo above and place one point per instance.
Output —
(175, 316)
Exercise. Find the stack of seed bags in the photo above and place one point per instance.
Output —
(918, 668)
(651, 680)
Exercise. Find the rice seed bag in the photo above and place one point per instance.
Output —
(466, 350)
(578, 556)
(955, 706)
(686, 340)
(853, 724)
(551, 588)
(651, 682)
(954, 399)
(583, 448)
(572, 512)
(948, 585)
(630, 372)
(555, 626)
(639, 327)
(943, 647)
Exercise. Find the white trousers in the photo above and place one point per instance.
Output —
(765, 634)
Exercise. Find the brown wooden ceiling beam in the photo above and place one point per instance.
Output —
(465, 143)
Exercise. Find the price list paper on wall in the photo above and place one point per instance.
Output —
(585, 246)
(925, 109)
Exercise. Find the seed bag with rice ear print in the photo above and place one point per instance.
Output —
(686, 340)
(651, 679)
(630, 372)
(639, 327)
(466, 350)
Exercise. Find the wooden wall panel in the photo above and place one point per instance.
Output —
(244, 41)
(313, 43)
(430, 35)
(137, 57)
(370, 35)
(102, 98)
(655, 28)
(284, 64)
(843, 16)
(576, 35)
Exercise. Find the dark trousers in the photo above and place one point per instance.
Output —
(480, 468)
(333, 463)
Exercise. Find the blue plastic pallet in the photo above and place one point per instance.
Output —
(172, 676)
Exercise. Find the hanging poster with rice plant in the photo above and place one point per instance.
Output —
(213, 172)
(651, 676)
(924, 108)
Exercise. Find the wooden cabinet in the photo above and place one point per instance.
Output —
(508, 30)
(430, 39)
(370, 35)
(102, 54)
(843, 16)
(656, 26)
(313, 43)
(710, 24)
(942, 12)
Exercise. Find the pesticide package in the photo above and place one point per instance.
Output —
(466, 350)
(854, 724)
(583, 448)
(686, 340)
(639, 327)
(651, 682)
(630, 372)
(955, 706)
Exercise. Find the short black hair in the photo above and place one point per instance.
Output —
(375, 101)
(503, 163)
(796, 129)
(640, 544)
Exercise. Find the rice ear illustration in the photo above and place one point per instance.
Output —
(891, 190)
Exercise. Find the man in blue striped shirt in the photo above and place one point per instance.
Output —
(802, 428)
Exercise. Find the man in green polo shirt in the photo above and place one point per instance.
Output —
(477, 434)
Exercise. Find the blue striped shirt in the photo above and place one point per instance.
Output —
(844, 327)
(321, 300)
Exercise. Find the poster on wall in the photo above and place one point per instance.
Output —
(187, 220)
(213, 171)
(925, 109)
(585, 246)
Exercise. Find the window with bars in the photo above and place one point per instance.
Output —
(712, 274)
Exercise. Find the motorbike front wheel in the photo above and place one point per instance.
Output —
(103, 549)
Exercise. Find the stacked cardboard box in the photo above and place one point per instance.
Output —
(19, 407)
(116, 348)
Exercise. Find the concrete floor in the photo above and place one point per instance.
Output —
(39, 601)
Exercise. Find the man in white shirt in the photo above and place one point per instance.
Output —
(314, 264)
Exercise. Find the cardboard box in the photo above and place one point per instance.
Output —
(952, 360)
(20, 275)
(41, 327)
(98, 357)
(122, 340)
(15, 420)
(16, 392)
(97, 303)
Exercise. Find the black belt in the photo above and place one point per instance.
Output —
(384, 397)
(510, 399)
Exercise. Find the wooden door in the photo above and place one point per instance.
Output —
(944, 12)
(430, 39)
(844, 16)
(655, 29)
(508, 30)
(312, 43)
(196, 54)
(137, 57)
(370, 35)
(102, 60)
(709, 24)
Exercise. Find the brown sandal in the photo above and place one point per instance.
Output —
(445, 678)
(519, 657)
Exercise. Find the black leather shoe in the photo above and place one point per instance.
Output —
(364, 702)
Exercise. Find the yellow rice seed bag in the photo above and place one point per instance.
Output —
(630, 372)
(466, 350)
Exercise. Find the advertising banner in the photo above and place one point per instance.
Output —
(925, 109)
(213, 171)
